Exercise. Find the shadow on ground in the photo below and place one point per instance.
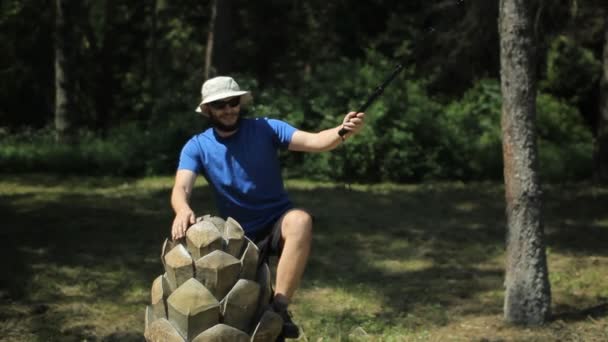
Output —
(459, 231)
(363, 238)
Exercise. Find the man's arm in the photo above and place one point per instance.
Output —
(180, 198)
(328, 139)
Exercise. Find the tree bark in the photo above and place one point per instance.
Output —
(528, 293)
(61, 116)
(209, 46)
(601, 145)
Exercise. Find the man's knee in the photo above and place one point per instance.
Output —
(297, 224)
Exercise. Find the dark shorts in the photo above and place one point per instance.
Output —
(269, 240)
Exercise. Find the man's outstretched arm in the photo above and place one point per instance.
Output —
(180, 198)
(328, 139)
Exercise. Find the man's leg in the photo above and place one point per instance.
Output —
(296, 233)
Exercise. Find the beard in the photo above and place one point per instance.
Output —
(217, 124)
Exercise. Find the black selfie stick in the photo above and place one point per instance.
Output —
(375, 94)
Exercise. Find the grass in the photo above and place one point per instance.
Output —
(390, 262)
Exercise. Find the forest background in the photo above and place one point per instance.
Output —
(129, 74)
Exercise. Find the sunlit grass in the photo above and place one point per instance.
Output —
(390, 262)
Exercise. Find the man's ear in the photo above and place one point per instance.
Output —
(205, 111)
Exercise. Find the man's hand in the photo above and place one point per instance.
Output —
(353, 122)
(183, 220)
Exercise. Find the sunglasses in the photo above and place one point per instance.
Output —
(221, 104)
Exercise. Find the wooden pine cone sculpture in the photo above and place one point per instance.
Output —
(213, 289)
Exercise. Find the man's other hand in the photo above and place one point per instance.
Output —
(353, 122)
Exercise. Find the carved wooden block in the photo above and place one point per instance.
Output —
(167, 246)
(218, 271)
(159, 294)
(240, 304)
(217, 221)
(222, 333)
(193, 309)
(162, 331)
(202, 238)
(233, 237)
(179, 266)
(148, 317)
(249, 261)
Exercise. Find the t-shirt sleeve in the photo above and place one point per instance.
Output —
(282, 130)
(190, 158)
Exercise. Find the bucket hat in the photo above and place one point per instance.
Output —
(222, 87)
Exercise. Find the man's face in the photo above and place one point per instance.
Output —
(224, 114)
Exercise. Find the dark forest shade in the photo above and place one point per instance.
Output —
(601, 147)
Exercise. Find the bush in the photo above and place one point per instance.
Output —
(129, 150)
(572, 71)
(471, 136)
(565, 142)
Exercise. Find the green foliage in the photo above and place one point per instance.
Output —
(128, 150)
(408, 135)
(572, 70)
(565, 143)
(472, 137)
(471, 134)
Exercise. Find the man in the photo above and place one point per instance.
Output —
(238, 157)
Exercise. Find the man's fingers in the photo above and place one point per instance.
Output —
(181, 223)
(173, 231)
(353, 116)
(353, 123)
(349, 116)
(178, 230)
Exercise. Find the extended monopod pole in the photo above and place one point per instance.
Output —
(377, 92)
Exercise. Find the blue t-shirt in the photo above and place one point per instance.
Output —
(243, 170)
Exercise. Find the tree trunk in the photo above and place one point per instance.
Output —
(223, 46)
(528, 293)
(152, 58)
(601, 146)
(209, 46)
(61, 116)
(104, 98)
(151, 55)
